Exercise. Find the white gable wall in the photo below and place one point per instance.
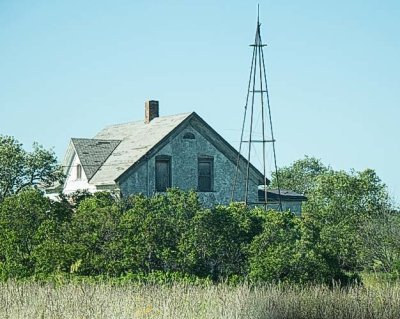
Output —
(72, 183)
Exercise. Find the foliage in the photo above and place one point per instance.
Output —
(92, 236)
(285, 251)
(300, 176)
(340, 207)
(49, 254)
(153, 228)
(217, 241)
(20, 169)
(348, 225)
(23, 220)
(381, 240)
(168, 234)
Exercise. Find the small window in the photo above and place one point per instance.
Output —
(78, 171)
(188, 136)
(163, 173)
(206, 174)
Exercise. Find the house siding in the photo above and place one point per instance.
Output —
(184, 163)
(72, 183)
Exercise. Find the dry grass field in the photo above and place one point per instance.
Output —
(84, 301)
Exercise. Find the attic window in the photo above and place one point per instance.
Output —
(188, 136)
(78, 171)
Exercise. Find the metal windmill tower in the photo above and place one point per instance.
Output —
(257, 103)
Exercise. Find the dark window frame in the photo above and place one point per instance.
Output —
(203, 186)
(157, 174)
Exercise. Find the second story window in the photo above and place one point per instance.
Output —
(78, 171)
(163, 173)
(206, 174)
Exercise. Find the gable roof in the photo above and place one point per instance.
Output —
(119, 149)
(93, 153)
(137, 139)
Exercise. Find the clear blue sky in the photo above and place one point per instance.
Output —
(68, 68)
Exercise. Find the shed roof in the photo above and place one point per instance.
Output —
(286, 195)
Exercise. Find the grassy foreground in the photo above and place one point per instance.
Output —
(78, 301)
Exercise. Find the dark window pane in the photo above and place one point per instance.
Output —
(205, 171)
(78, 171)
(204, 183)
(204, 168)
(163, 175)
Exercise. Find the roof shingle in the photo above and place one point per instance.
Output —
(137, 138)
(93, 153)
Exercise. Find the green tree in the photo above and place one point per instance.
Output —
(381, 243)
(217, 240)
(339, 206)
(20, 169)
(152, 229)
(49, 254)
(21, 217)
(300, 176)
(93, 236)
(285, 250)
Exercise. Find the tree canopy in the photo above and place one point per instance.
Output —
(348, 225)
(20, 169)
(300, 176)
(341, 206)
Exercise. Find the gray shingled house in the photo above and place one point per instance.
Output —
(152, 155)
(161, 152)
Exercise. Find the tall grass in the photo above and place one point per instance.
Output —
(78, 301)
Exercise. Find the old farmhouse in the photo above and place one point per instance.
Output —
(158, 153)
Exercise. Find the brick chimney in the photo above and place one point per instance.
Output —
(150, 111)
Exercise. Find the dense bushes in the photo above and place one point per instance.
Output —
(164, 234)
(28, 228)
(348, 225)
(350, 215)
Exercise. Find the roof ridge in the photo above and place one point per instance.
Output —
(142, 121)
(94, 139)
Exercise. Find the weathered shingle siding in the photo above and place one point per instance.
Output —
(184, 161)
